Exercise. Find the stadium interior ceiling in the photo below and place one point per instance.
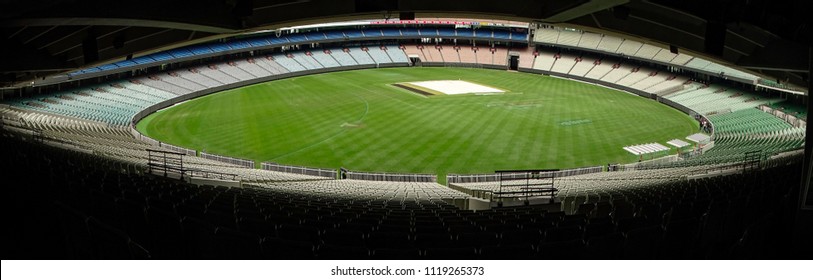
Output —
(42, 38)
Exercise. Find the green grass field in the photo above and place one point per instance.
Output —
(358, 120)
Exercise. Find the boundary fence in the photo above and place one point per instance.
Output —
(476, 178)
(327, 173)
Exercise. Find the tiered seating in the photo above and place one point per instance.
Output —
(681, 59)
(182, 81)
(609, 44)
(235, 70)
(307, 61)
(569, 38)
(617, 74)
(379, 55)
(432, 54)
(526, 58)
(325, 60)
(635, 77)
(213, 72)
(467, 55)
(156, 82)
(397, 54)
(716, 99)
(590, 40)
(342, 57)
(544, 61)
(546, 35)
(484, 56)
(648, 51)
(699, 63)
(647, 214)
(449, 54)
(269, 64)
(599, 70)
(564, 64)
(500, 56)
(362, 57)
(671, 83)
(652, 79)
(790, 108)
(415, 50)
(583, 67)
(664, 55)
(629, 47)
(288, 63)
(251, 66)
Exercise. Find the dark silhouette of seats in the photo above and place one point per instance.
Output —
(339, 237)
(198, 235)
(477, 239)
(516, 237)
(299, 233)
(606, 247)
(598, 229)
(75, 231)
(559, 234)
(679, 239)
(385, 239)
(257, 226)
(562, 250)
(109, 242)
(167, 234)
(234, 244)
(281, 249)
(433, 240)
(134, 219)
(642, 243)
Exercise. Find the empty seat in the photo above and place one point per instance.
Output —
(340, 237)
(234, 244)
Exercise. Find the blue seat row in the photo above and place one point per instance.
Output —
(270, 40)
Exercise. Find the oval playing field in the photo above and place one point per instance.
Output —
(363, 121)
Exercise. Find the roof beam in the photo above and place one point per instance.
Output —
(584, 9)
(116, 22)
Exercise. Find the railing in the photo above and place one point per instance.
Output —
(198, 173)
(230, 160)
(390, 177)
(174, 148)
(476, 178)
(327, 173)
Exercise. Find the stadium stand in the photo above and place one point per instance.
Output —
(569, 38)
(361, 56)
(342, 57)
(590, 40)
(629, 47)
(450, 54)
(526, 58)
(584, 66)
(500, 56)
(485, 56)
(544, 61)
(564, 63)
(467, 55)
(379, 55)
(108, 214)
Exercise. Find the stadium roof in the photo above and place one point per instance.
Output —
(58, 36)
